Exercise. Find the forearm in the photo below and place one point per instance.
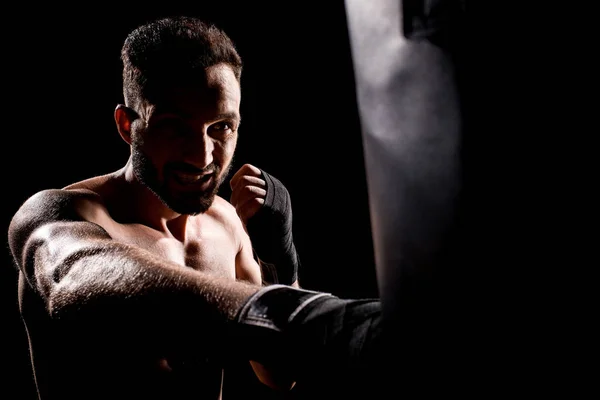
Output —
(270, 274)
(270, 230)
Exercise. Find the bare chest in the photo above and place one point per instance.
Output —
(212, 249)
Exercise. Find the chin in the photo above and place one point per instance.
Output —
(198, 206)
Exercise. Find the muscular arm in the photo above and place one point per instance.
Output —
(90, 281)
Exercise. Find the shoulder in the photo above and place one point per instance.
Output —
(50, 205)
(61, 203)
(55, 204)
(69, 201)
(94, 184)
(224, 212)
(246, 267)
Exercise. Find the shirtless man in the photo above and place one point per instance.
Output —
(109, 265)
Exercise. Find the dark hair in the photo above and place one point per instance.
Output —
(172, 51)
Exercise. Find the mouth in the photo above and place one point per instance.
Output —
(197, 180)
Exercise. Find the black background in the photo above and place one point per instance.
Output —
(300, 123)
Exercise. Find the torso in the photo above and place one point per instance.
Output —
(212, 243)
(209, 247)
(212, 239)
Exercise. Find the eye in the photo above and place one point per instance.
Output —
(222, 126)
(222, 129)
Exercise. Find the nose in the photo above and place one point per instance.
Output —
(198, 150)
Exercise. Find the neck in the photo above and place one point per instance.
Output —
(145, 208)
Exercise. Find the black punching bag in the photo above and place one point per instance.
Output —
(408, 63)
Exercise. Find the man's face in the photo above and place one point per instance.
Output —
(184, 152)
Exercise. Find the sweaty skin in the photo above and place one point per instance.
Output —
(115, 286)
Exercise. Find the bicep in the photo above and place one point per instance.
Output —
(246, 266)
(52, 249)
(45, 231)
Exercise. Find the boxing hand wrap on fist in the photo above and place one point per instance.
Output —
(264, 205)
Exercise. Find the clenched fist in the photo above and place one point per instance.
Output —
(248, 191)
(264, 205)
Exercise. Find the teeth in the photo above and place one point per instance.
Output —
(189, 178)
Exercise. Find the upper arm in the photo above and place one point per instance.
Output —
(246, 266)
(50, 220)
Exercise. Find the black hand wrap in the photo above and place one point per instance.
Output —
(270, 230)
(329, 345)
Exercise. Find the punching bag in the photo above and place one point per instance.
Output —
(407, 58)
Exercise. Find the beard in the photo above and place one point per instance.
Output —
(189, 202)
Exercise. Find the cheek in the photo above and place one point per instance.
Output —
(158, 153)
(226, 150)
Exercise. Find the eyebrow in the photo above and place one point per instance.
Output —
(230, 115)
(166, 113)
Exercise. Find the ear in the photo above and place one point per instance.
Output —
(124, 117)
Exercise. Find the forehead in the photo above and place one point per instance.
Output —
(215, 91)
